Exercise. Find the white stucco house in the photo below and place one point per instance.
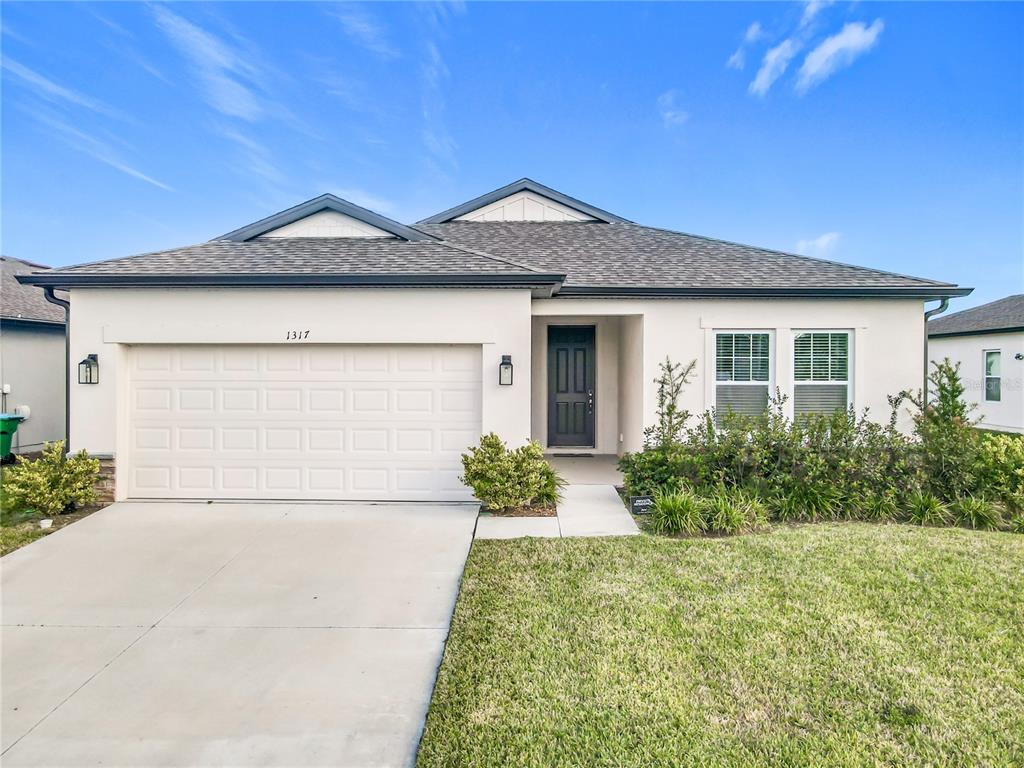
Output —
(988, 342)
(327, 352)
(32, 358)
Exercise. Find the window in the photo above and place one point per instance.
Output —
(821, 372)
(993, 377)
(742, 372)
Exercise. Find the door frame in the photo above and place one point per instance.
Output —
(549, 385)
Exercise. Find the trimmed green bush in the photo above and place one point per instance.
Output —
(676, 512)
(503, 479)
(53, 483)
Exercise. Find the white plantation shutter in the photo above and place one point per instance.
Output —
(742, 373)
(821, 372)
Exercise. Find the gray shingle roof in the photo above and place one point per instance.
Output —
(24, 302)
(625, 254)
(1001, 315)
(305, 255)
(610, 256)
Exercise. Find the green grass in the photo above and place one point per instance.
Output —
(834, 644)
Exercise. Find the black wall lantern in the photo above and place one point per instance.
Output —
(505, 371)
(89, 370)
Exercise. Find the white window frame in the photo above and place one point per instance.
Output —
(770, 333)
(985, 377)
(850, 336)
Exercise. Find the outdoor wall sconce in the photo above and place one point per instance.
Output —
(89, 370)
(505, 371)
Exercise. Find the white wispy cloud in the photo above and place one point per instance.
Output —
(811, 9)
(93, 146)
(738, 60)
(836, 52)
(54, 92)
(225, 75)
(436, 136)
(253, 158)
(819, 247)
(364, 30)
(671, 113)
(774, 64)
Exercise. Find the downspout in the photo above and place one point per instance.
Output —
(928, 315)
(50, 297)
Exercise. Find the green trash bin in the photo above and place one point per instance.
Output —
(8, 426)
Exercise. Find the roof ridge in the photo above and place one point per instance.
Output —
(792, 255)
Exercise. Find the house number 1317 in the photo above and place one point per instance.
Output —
(296, 335)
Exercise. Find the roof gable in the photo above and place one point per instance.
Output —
(523, 200)
(308, 216)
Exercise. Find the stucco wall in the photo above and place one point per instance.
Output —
(106, 321)
(32, 363)
(1008, 413)
(888, 339)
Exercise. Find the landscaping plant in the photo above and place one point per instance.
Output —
(838, 466)
(52, 484)
(677, 511)
(507, 479)
(925, 509)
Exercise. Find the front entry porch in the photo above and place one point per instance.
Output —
(587, 384)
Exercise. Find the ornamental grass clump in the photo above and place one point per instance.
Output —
(53, 484)
(979, 514)
(676, 512)
(924, 508)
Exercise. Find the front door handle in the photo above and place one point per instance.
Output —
(590, 401)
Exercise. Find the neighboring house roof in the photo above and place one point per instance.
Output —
(25, 303)
(1000, 316)
(599, 255)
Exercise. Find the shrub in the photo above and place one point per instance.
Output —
(551, 484)
(732, 511)
(976, 513)
(53, 483)
(504, 479)
(879, 507)
(925, 509)
(1017, 523)
(948, 444)
(674, 512)
(1001, 467)
(646, 472)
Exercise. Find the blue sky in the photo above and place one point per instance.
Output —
(888, 135)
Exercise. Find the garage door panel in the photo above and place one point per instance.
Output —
(330, 422)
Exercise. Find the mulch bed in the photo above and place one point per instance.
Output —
(526, 511)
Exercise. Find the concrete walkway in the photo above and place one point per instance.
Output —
(590, 506)
(175, 634)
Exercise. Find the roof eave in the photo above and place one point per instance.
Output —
(892, 292)
(976, 332)
(30, 321)
(269, 280)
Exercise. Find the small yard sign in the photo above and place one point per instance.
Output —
(641, 505)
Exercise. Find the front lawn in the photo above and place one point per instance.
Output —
(831, 644)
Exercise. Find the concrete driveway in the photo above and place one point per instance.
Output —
(228, 634)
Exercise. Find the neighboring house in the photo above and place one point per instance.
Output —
(327, 352)
(32, 357)
(988, 342)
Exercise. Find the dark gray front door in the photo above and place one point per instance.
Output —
(571, 377)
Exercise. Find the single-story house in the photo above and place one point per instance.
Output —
(32, 358)
(328, 352)
(988, 342)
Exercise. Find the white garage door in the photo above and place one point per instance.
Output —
(302, 422)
